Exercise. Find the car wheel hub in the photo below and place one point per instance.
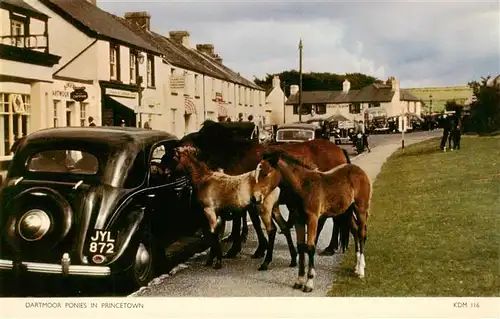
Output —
(33, 225)
(142, 261)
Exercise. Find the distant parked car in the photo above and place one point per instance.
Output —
(91, 202)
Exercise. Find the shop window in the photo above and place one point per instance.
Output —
(15, 110)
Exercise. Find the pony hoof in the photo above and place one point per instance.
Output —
(293, 264)
(232, 254)
(327, 252)
(208, 264)
(263, 267)
(259, 253)
(218, 265)
(297, 286)
(307, 289)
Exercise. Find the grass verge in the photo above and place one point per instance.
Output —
(433, 228)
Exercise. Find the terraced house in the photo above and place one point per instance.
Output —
(387, 98)
(26, 62)
(199, 86)
(121, 73)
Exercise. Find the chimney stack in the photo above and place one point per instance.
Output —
(207, 48)
(276, 81)
(141, 18)
(346, 86)
(180, 37)
(294, 89)
(394, 83)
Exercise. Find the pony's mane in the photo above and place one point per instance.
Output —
(289, 159)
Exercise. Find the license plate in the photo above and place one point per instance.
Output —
(102, 242)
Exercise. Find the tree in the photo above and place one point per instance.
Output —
(315, 81)
(485, 109)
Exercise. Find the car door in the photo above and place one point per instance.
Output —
(170, 196)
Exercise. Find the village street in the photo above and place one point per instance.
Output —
(239, 277)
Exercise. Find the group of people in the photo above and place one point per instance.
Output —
(452, 131)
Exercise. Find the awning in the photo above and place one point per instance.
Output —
(130, 103)
(337, 117)
(222, 110)
(189, 106)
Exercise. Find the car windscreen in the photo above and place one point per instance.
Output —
(64, 161)
(294, 135)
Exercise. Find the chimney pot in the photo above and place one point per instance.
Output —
(180, 37)
(140, 18)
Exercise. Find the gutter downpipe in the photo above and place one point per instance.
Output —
(204, 103)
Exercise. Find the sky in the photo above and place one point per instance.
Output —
(422, 43)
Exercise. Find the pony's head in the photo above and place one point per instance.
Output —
(183, 155)
(267, 176)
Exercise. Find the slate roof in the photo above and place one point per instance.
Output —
(23, 5)
(98, 23)
(187, 58)
(368, 94)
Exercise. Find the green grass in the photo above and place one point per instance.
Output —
(433, 228)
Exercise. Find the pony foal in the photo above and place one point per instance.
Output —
(343, 193)
(218, 192)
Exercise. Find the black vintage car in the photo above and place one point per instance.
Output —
(88, 202)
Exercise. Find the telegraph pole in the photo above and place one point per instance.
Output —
(300, 80)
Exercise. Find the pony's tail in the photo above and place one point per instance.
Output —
(344, 223)
(347, 157)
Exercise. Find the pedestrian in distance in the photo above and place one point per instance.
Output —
(446, 132)
(91, 121)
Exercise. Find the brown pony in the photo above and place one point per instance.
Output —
(217, 193)
(343, 193)
(221, 149)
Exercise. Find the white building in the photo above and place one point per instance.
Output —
(352, 104)
(26, 64)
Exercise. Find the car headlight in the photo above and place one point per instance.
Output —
(33, 225)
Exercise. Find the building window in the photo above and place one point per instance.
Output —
(172, 71)
(83, 113)
(133, 67)
(320, 109)
(213, 88)
(373, 104)
(151, 71)
(239, 94)
(173, 113)
(355, 108)
(196, 85)
(18, 31)
(228, 90)
(15, 112)
(55, 113)
(114, 62)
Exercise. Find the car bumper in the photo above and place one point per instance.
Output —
(62, 269)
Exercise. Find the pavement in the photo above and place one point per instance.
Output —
(239, 277)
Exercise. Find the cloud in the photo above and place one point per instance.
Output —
(422, 43)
